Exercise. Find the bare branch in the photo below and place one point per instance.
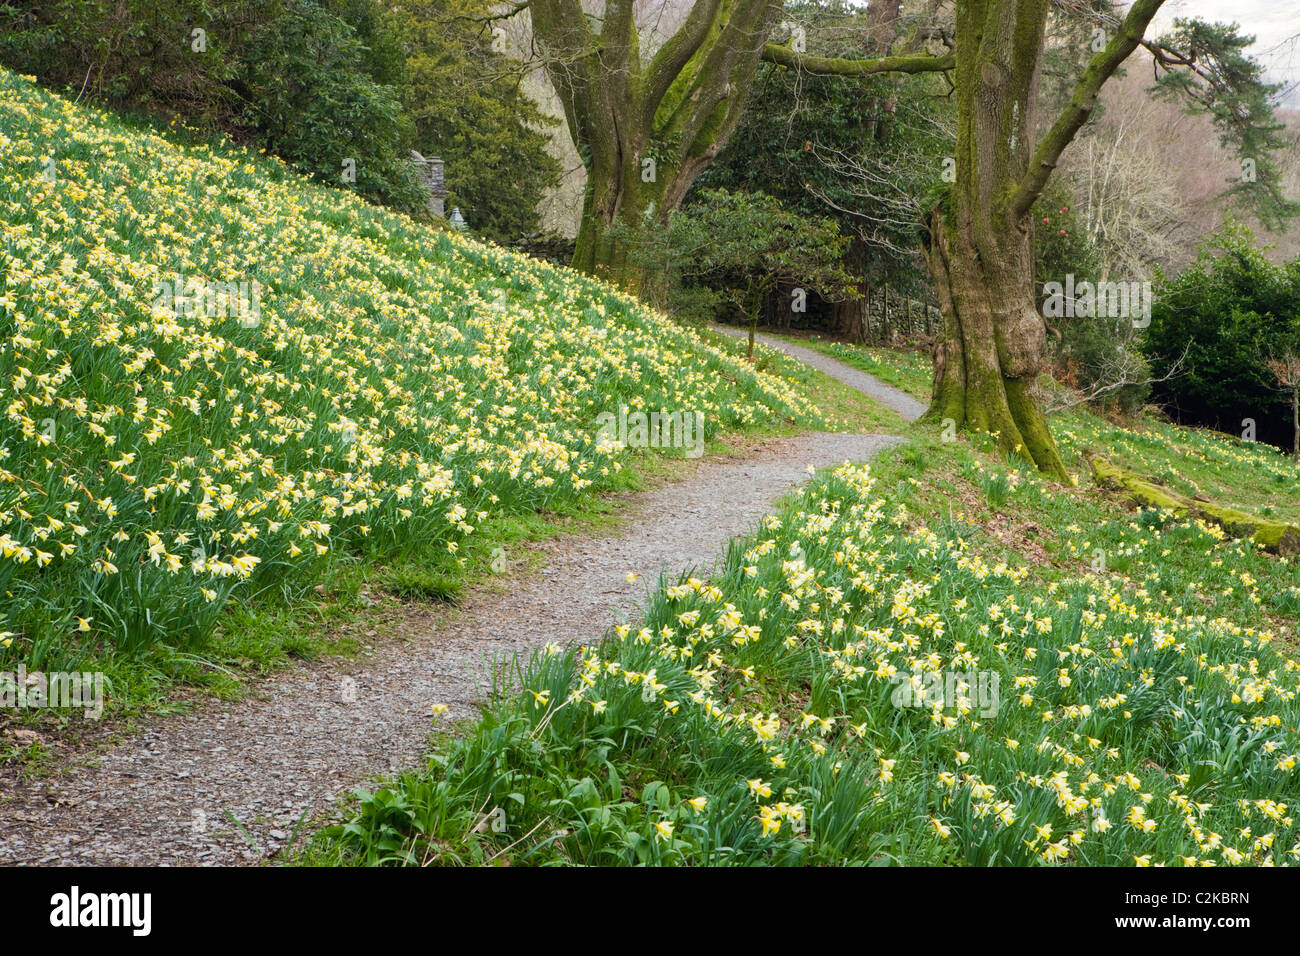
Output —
(1118, 376)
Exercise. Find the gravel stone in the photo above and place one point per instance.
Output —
(214, 786)
(900, 401)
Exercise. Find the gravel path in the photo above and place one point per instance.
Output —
(900, 401)
(308, 734)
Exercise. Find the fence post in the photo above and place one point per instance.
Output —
(888, 328)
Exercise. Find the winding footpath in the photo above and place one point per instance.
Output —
(900, 401)
(228, 782)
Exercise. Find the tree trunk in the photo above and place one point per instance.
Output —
(994, 341)
(1295, 420)
(991, 349)
(990, 352)
(637, 198)
(646, 126)
(887, 325)
(849, 316)
(617, 195)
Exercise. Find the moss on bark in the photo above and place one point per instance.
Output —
(1277, 537)
(1032, 423)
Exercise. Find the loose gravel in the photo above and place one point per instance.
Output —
(227, 783)
(900, 401)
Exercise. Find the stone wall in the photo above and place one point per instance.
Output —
(431, 174)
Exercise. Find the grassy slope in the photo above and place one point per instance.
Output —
(954, 558)
(1249, 476)
(401, 398)
(1252, 476)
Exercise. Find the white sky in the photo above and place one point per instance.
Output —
(1275, 24)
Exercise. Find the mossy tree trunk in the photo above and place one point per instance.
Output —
(991, 350)
(612, 198)
(646, 127)
(980, 253)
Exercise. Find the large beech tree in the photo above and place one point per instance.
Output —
(980, 250)
(646, 126)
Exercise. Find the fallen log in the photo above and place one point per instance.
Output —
(1277, 537)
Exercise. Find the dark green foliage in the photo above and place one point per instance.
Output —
(316, 83)
(137, 54)
(465, 99)
(737, 247)
(307, 97)
(294, 76)
(1062, 245)
(1230, 311)
(862, 151)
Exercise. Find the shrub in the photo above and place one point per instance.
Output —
(1228, 311)
(744, 245)
(293, 76)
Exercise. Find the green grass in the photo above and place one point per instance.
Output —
(843, 408)
(175, 485)
(1061, 531)
(771, 699)
(1249, 476)
(909, 369)
(944, 543)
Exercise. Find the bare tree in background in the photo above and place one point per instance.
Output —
(1127, 200)
(1285, 369)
